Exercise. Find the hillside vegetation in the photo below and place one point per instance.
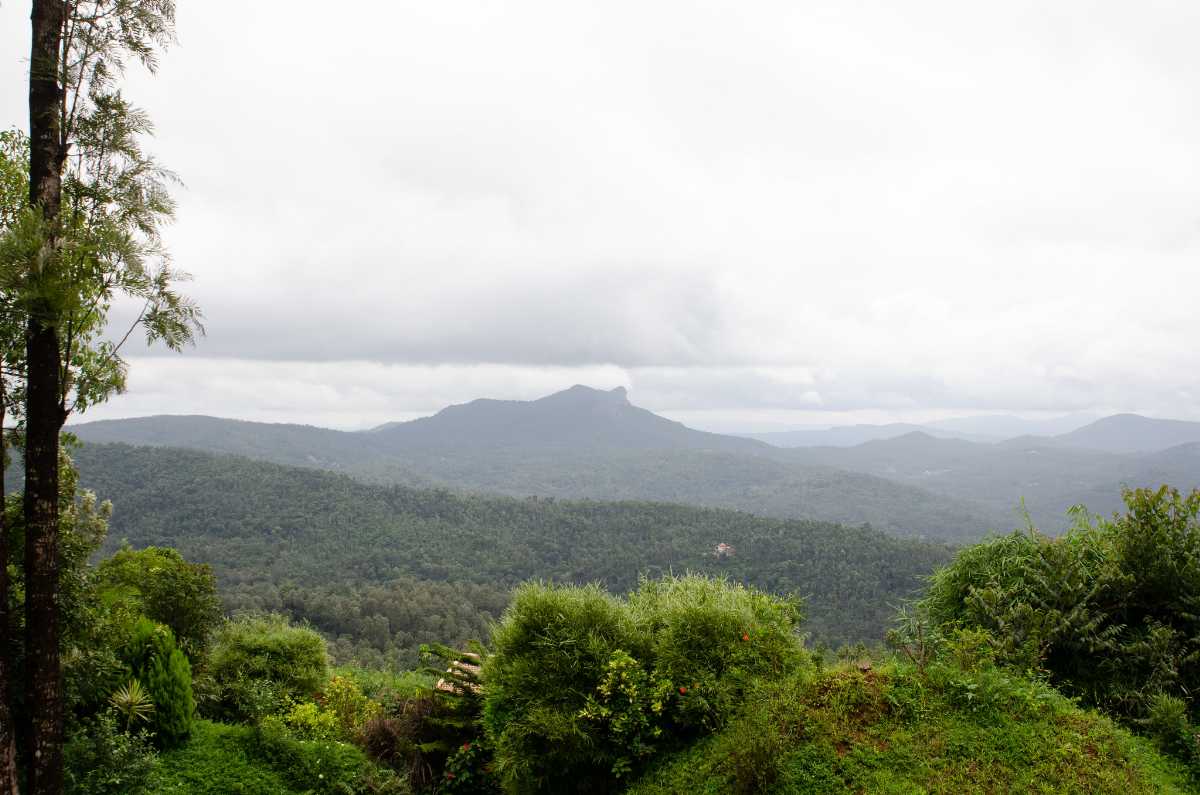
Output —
(390, 566)
(587, 443)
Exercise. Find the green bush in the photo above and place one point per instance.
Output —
(552, 648)
(100, 759)
(583, 687)
(1110, 611)
(317, 766)
(166, 675)
(167, 589)
(258, 665)
(710, 637)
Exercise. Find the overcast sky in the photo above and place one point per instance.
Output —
(750, 213)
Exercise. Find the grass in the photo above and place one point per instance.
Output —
(895, 729)
(218, 759)
(221, 759)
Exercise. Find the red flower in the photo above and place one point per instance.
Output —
(682, 689)
(449, 774)
(745, 636)
(466, 746)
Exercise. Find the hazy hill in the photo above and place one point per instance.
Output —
(1048, 476)
(850, 435)
(577, 443)
(1131, 433)
(274, 534)
(579, 420)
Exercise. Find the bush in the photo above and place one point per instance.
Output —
(583, 687)
(167, 589)
(258, 665)
(711, 637)
(1109, 610)
(552, 648)
(313, 766)
(344, 699)
(100, 759)
(166, 675)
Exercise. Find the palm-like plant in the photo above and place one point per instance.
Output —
(133, 703)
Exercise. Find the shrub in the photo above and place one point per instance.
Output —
(257, 665)
(169, 590)
(711, 637)
(344, 699)
(100, 759)
(1109, 610)
(166, 676)
(307, 721)
(552, 648)
(312, 766)
(583, 687)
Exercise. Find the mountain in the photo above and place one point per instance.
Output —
(1007, 426)
(1047, 476)
(1131, 433)
(579, 443)
(851, 435)
(579, 419)
(353, 557)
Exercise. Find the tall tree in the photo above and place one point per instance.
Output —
(14, 189)
(43, 420)
(97, 204)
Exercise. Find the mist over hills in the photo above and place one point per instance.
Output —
(588, 443)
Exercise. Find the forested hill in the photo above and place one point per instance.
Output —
(579, 443)
(388, 563)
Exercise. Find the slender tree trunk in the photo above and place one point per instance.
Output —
(43, 417)
(8, 730)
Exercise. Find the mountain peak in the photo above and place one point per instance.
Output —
(582, 393)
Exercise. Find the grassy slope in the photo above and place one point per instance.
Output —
(893, 730)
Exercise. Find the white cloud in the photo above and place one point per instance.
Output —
(753, 209)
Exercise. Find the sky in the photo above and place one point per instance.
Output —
(753, 215)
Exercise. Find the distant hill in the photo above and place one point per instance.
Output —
(1007, 426)
(588, 443)
(1048, 476)
(1131, 433)
(579, 419)
(277, 535)
(851, 435)
(579, 443)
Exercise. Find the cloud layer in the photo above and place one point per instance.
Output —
(762, 210)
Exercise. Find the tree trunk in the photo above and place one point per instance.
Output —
(8, 730)
(43, 418)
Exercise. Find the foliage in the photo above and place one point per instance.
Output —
(626, 708)
(221, 758)
(100, 759)
(381, 570)
(1110, 611)
(259, 663)
(712, 636)
(581, 686)
(167, 589)
(344, 700)
(469, 771)
(133, 703)
(169, 680)
(153, 658)
(895, 729)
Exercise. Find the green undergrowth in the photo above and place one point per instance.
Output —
(896, 729)
(222, 759)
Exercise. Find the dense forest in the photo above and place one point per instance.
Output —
(392, 566)
(677, 682)
(587, 443)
